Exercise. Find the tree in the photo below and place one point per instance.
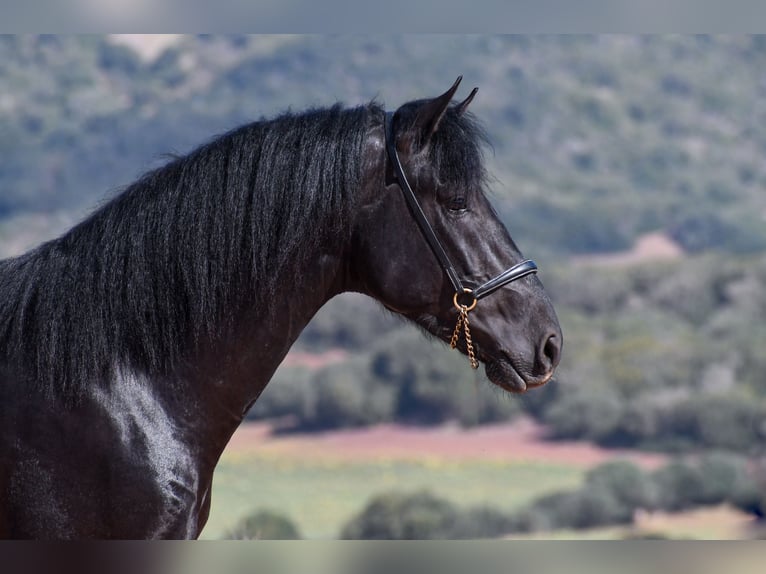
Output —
(346, 395)
(680, 486)
(626, 482)
(584, 508)
(396, 516)
(585, 413)
(264, 525)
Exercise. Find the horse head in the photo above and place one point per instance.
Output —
(430, 247)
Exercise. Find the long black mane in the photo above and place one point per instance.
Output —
(167, 264)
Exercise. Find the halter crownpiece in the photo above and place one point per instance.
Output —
(462, 292)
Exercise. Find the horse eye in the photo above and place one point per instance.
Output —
(457, 203)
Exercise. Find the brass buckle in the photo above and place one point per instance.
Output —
(461, 307)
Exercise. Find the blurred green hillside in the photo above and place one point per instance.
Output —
(598, 140)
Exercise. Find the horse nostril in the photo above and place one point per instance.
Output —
(551, 351)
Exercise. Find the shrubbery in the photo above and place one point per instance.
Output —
(404, 378)
(589, 414)
(628, 484)
(395, 516)
(614, 491)
(611, 495)
(713, 421)
(345, 395)
(583, 508)
(424, 516)
(750, 495)
(264, 525)
(643, 365)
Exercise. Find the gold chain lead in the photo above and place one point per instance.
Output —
(462, 321)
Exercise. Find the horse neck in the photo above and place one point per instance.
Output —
(230, 375)
(277, 324)
(266, 335)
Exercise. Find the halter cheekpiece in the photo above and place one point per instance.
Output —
(465, 298)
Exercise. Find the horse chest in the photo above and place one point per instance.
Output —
(126, 473)
(154, 456)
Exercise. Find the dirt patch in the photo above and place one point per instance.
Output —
(520, 441)
(314, 360)
(715, 523)
(650, 247)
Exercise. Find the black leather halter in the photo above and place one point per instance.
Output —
(461, 291)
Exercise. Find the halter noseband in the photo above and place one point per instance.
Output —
(518, 271)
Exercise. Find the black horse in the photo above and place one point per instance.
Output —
(132, 346)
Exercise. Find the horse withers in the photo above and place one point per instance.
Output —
(132, 346)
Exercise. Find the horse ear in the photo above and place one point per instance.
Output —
(431, 113)
(464, 104)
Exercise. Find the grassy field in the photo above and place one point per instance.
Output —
(320, 496)
(320, 481)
